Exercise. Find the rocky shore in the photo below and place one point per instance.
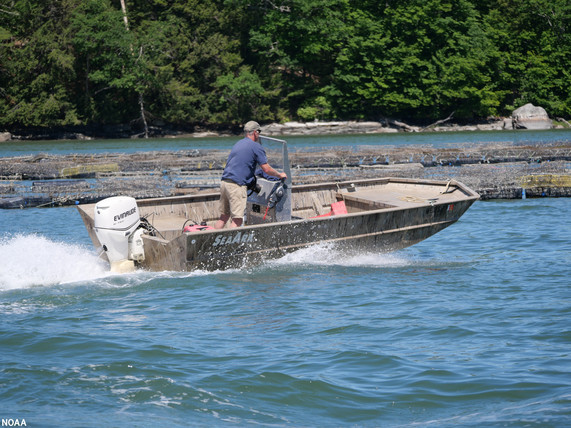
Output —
(493, 170)
(525, 117)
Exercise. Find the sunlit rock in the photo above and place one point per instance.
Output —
(531, 117)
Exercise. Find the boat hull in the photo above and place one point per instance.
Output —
(383, 216)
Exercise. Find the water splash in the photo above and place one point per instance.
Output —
(33, 260)
(328, 254)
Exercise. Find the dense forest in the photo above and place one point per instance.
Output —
(219, 63)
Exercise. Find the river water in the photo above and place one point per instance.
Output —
(432, 139)
(471, 327)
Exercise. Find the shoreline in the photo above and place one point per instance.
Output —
(272, 129)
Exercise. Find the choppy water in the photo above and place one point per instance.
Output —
(469, 328)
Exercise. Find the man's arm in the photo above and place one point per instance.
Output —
(270, 171)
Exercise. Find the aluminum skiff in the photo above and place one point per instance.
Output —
(379, 215)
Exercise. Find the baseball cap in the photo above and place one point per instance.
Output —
(252, 126)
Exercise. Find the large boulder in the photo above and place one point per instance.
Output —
(5, 136)
(531, 117)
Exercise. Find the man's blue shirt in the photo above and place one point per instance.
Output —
(242, 161)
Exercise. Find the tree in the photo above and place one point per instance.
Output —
(421, 59)
(37, 78)
(199, 46)
(221, 62)
(296, 46)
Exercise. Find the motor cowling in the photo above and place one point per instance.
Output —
(116, 223)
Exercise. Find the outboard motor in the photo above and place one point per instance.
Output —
(116, 223)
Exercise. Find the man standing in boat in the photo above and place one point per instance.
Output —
(239, 173)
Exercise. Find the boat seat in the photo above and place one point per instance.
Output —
(388, 198)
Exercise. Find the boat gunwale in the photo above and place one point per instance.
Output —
(304, 187)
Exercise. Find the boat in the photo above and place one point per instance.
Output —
(176, 233)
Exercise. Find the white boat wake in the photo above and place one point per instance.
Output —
(36, 261)
(33, 260)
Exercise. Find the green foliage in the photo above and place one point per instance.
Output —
(105, 60)
(223, 62)
(240, 97)
(316, 109)
(37, 75)
(535, 47)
